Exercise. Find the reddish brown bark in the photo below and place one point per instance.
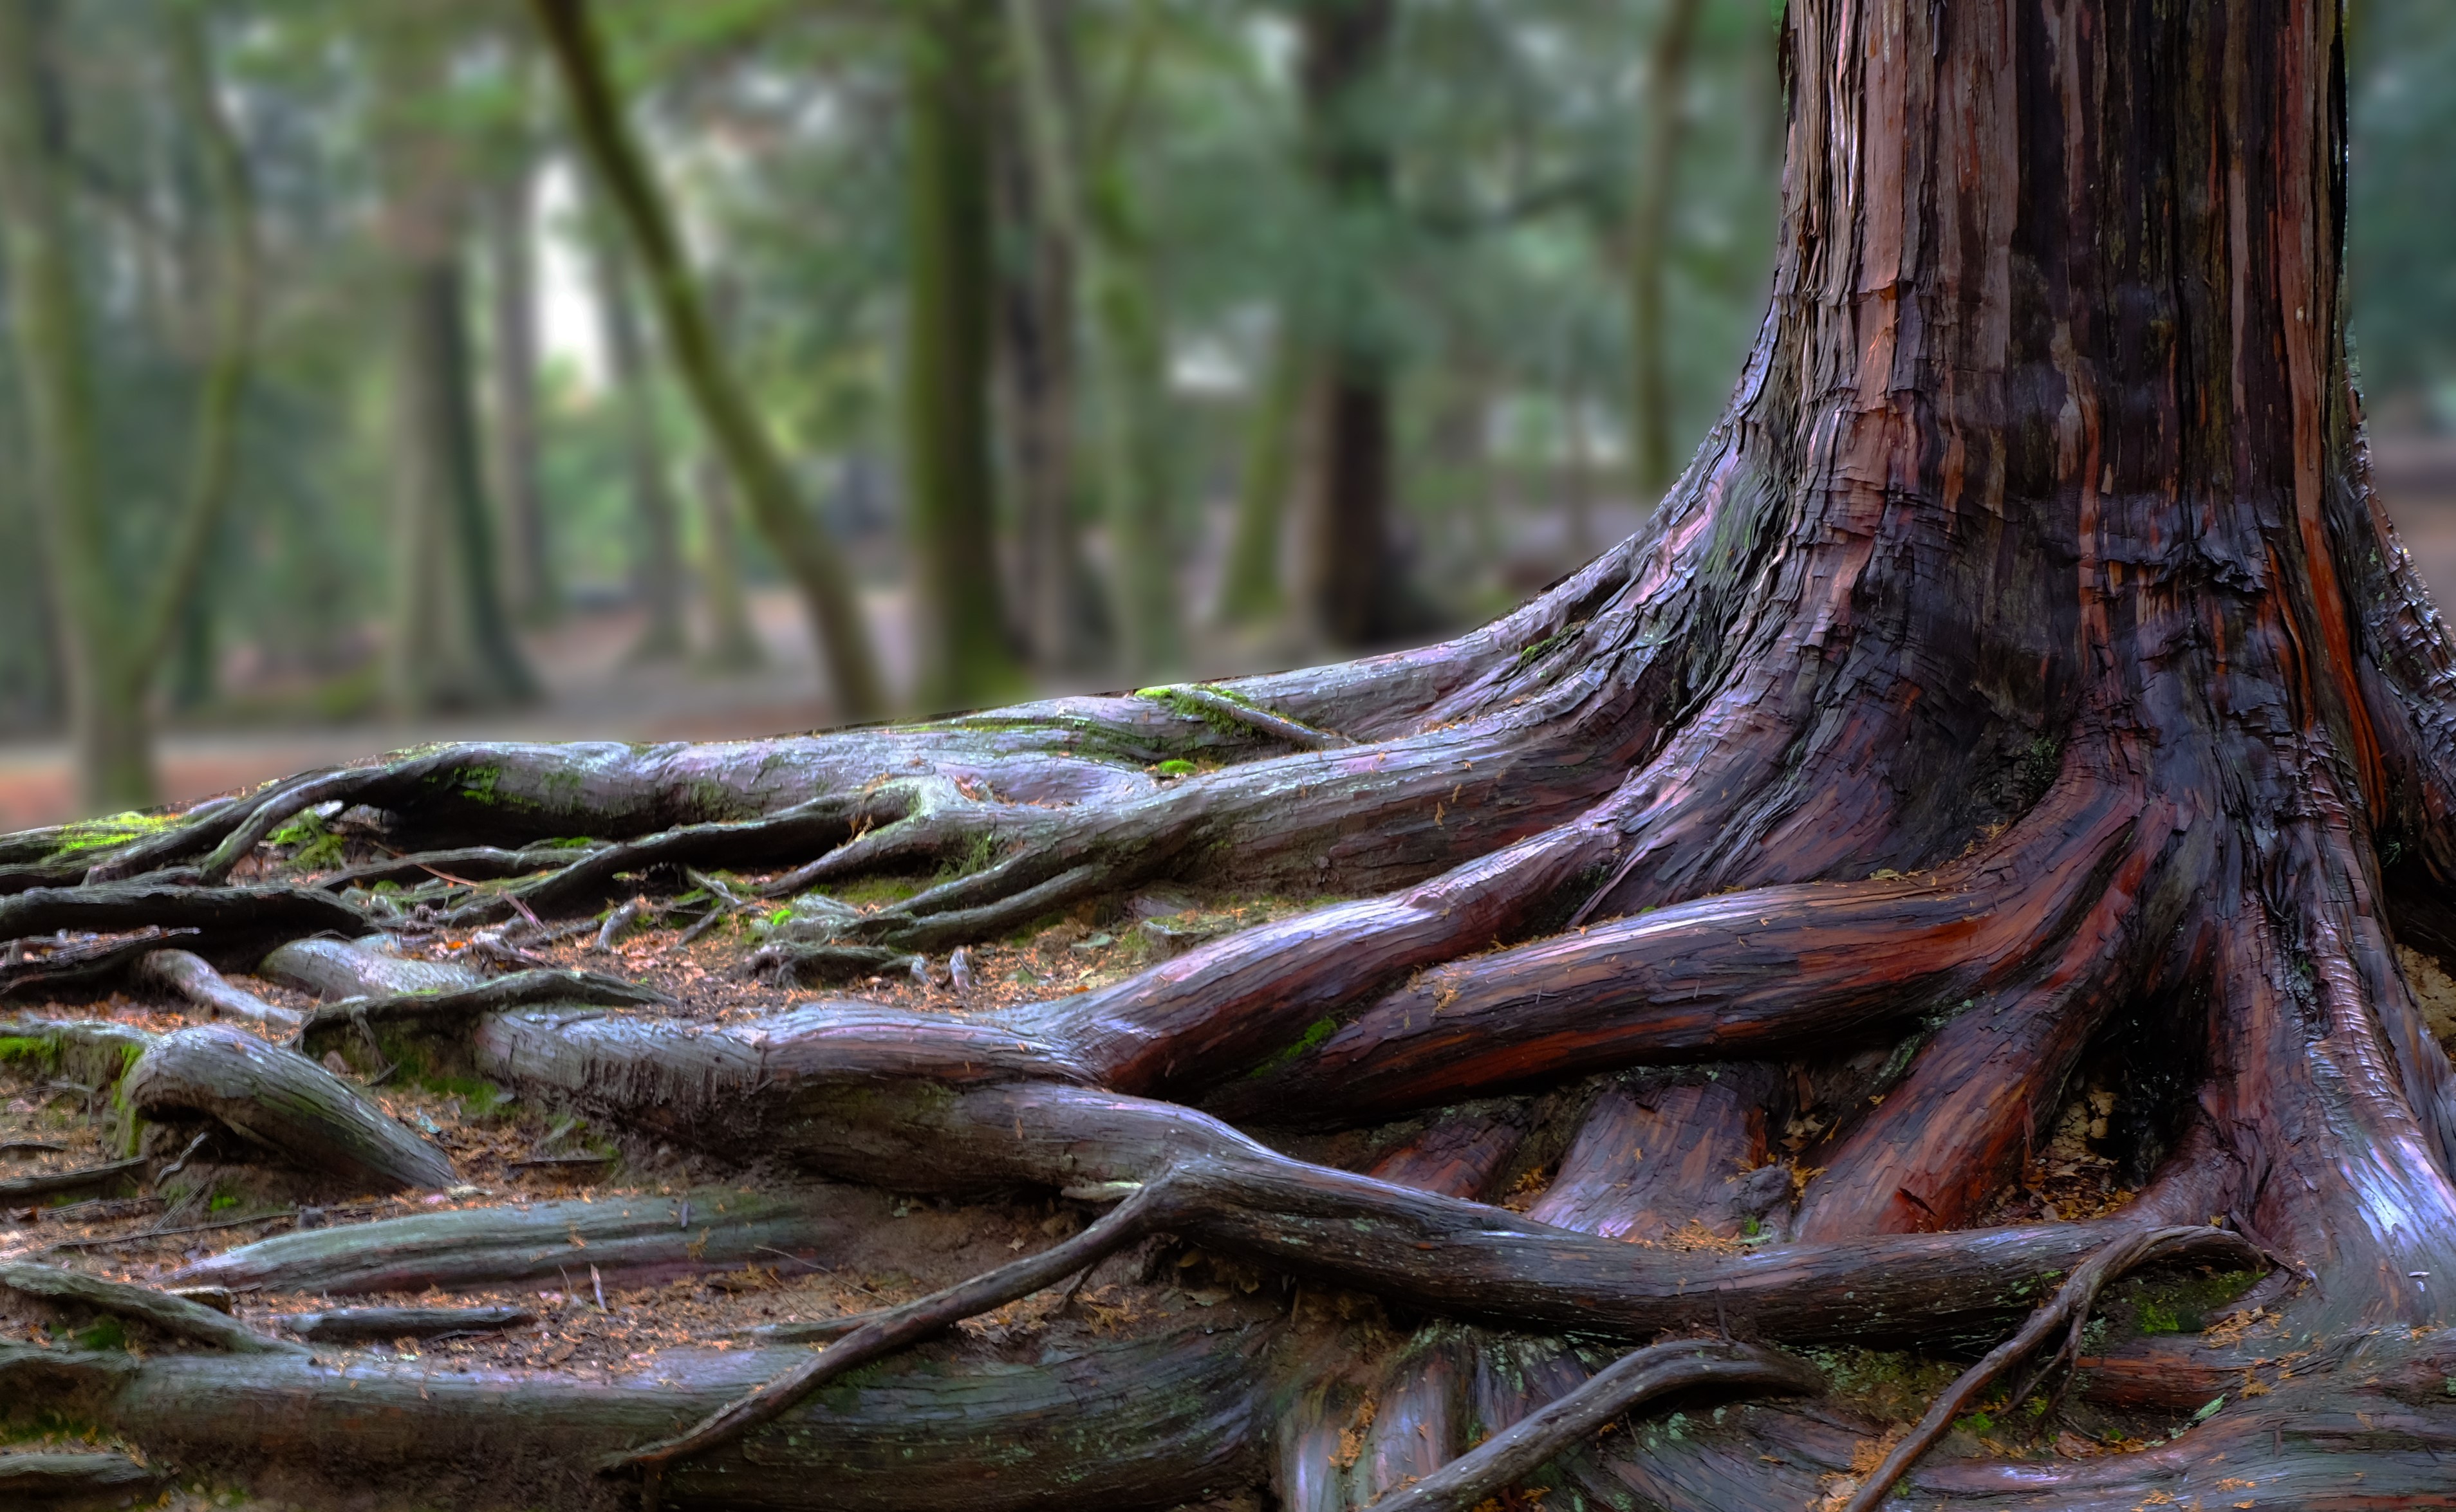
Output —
(2022, 666)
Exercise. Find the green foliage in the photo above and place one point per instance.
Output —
(1175, 766)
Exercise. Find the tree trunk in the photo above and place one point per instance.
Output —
(733, 640)
(108, 719)
(2021, 701)
(950, 292)
(1650, 233)
(113, 639)
(1090, 208)
(1249, 590)
(734, 428)
(1350, 592)
(452, 642)
(1037, 363)
(657, 564)
(511, 260)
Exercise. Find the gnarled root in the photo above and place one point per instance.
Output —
(287, 1104)
(1139, 1423)
(634, 1241)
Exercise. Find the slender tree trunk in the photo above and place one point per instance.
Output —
(767, 485)
(1036, 359)
(113, 637)
(949, 323)
(1650, 233)
(454, 645)
(511, 265)
(657, 561)
(1348, 562)
(1250, 589)
(1090, 205)
(733, 640)
(452, 642)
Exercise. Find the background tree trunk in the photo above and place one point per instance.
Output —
(1091, 211)
(1250, 589)
(511, 265)
(949, 326)
(1350, 590)
(107, 719)
(734, 428)
(1650, 233)
(1036, 363)
(657, 561)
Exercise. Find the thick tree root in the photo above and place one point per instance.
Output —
(636, 1241)
(50, 1479)
(1144, 1210)
(1772, 971)
(174, 1316)
(59, 1183)
(1628, 1383)
(335, 970)
(81, 968)
(283, 1102)
(1708, 1168)
(1139, 1423)
(2067, 1310)
(519, 990)
(233, 924)
(383, 1325)
(192, 979)
(740, 1090)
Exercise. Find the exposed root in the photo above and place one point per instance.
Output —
(1144, 1210)
(229, 921)
(1141, 1422)
(78, 967)
(1628, 1383)
(175, 1316)
(519, 990)
(1776, 970)
(2068, 1310)
(383, 1324)
(639, 1240)
(285, 1103)
(192, 978)
(61, 1184)
(42, 1479)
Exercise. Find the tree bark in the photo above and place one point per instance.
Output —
(2021, 688)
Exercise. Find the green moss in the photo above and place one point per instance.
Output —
(33, 1053)
(1322, 1029)
(104, 834)
(103, 1334)
(478, 784)
(223, 1203)
(1175, 767)
(874, 891)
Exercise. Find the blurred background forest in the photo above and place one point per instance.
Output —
(381, 370)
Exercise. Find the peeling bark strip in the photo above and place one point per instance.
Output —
(2021, 680)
